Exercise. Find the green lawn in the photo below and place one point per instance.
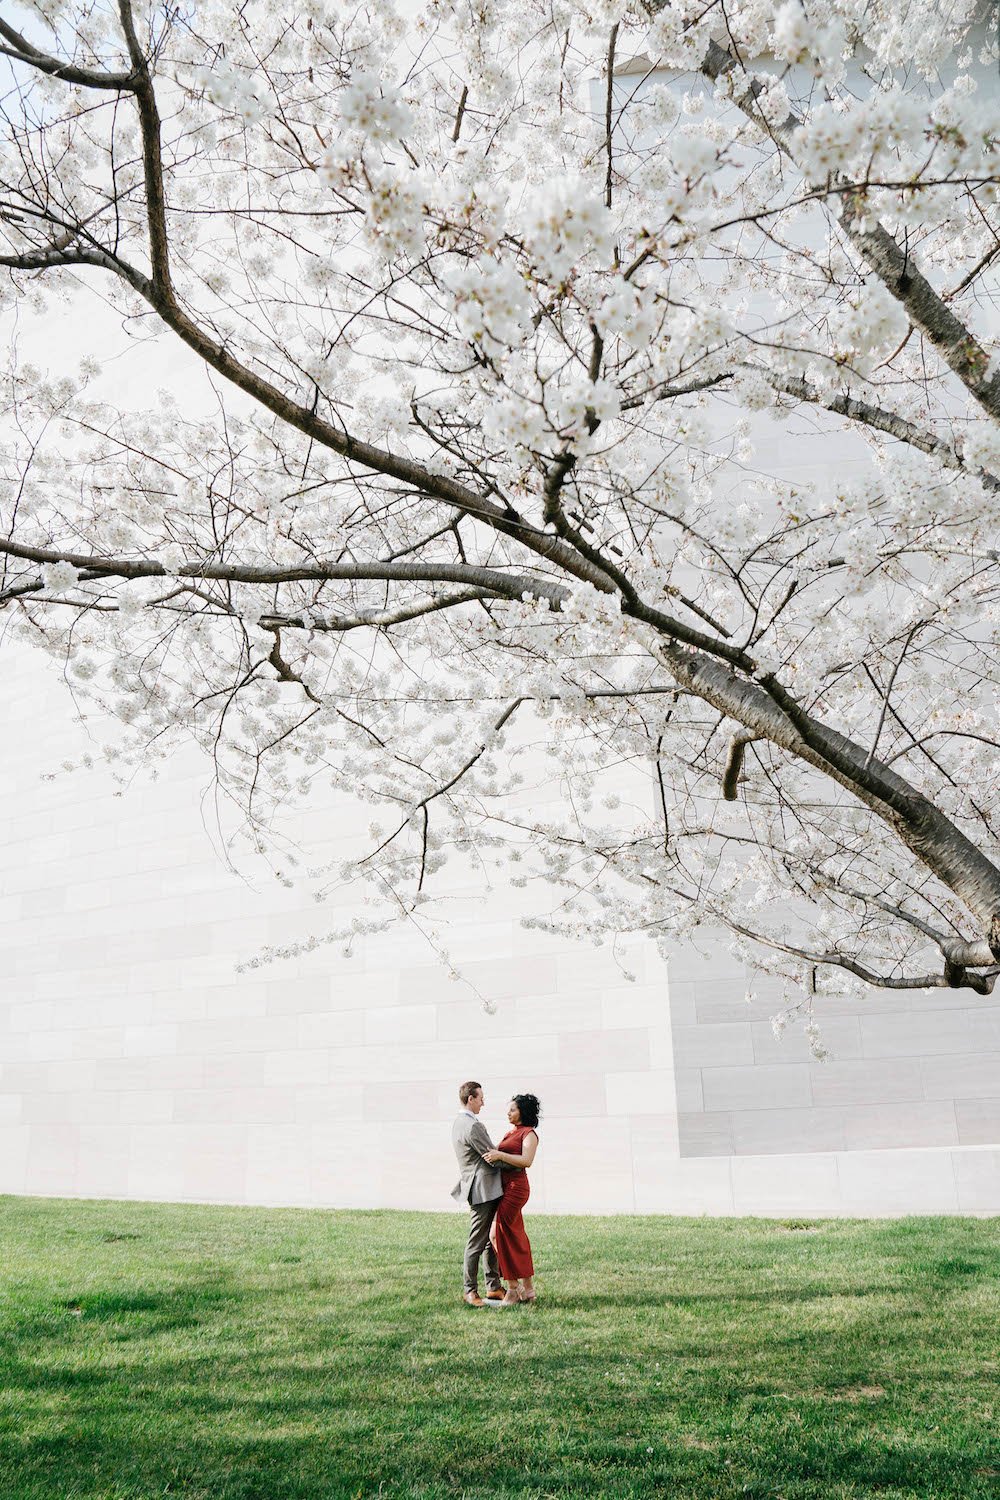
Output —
(254, 1354)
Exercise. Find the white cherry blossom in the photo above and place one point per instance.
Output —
(600, 398)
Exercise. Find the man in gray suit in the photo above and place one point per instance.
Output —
(481, 1187)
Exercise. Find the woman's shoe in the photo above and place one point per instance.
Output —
(527, 1296)
(511, 1299)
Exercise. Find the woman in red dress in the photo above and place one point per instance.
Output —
(515, 1154)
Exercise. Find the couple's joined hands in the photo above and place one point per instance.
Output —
(491, 1156)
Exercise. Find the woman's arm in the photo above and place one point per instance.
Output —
(507, 1159)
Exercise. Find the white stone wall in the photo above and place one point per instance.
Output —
(902, 1116)
(136, 1062)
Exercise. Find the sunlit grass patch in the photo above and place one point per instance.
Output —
(249, 1354)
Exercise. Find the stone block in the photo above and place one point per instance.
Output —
(465, 1020)
(213, 1162)
(976, 1076)
(705, 1134)
(146, 1107)
(103, 1162)
(784, 1185)
(725, 1044)
(598, 1180)
(149, 1072)
(709, 964)
(579, 966)
(919, 1034)
(322, 1105)
(654, 1159)
(34, 1015)
(100, 1041)
(403, 1103)
(892, 1182)
(40, 1046)
(418, 1173)
(495, 979)
(295, 997)
(547, 1015)
(651, 1091)
(759, 1087)
(865, 1081)
(273, 1106)
(53, 1152)
(398, 1023)
(235, 1070)
(277, 1164)
(344, 1165)
(563, 1096)
(688, 1086)
(11, 1112)
(232, 1034)
(236, 1000)
(977, 1181)
(700, 1186)
(728, 1008)
(630, 1005)
(14, 1141)
(913, 1123)
(776, 1132)
(325, 1029)
(978, 1122)
(840, 1035)
(984, 1030)
(151, 1041)
(295, 1067)
(622, 1050)
(81, 1108)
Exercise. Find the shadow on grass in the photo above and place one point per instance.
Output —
(213, 1388)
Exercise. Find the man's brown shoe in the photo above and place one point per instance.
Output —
(495, 1296)
(473, 1299)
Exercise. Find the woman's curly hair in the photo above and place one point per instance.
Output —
(529, 1107)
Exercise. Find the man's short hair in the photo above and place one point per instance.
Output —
(467, 1090)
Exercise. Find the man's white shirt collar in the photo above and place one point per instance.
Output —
(471, 1112)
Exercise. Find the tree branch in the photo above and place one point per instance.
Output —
(504, 585)
(878, 418)
(379, 618)
(734, 765)
(928, 311)
(981, 984)
(21, 50)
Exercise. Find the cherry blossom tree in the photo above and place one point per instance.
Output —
(510, 310)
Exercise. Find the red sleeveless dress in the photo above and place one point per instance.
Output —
(513, 1247)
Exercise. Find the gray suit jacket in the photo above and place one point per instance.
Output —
(479, 1182)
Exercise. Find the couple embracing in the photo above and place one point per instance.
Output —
(494, 1183)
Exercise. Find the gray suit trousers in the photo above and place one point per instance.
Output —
(481, 1221)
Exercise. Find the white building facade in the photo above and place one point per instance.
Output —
(137, 1062)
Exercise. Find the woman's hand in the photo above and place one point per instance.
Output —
(491, 1156)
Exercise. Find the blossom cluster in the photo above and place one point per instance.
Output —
(565, 398)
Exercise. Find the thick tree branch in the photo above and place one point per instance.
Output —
(503, 585)
(19, 49)
(769, 712)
